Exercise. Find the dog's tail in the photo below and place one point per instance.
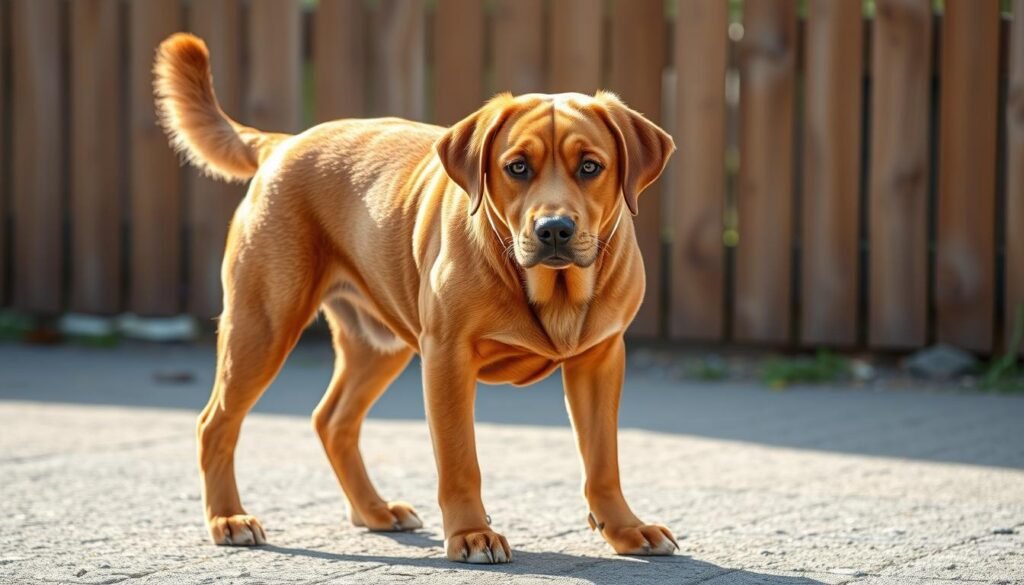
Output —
(189, 113)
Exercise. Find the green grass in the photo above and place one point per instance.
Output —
(824, 367)
(708, 370)
(14, 327)
(1004, 373)
(105, 341)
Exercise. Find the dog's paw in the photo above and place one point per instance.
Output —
(647, 539)
(393, 517)
(237, 530)
(478, 546)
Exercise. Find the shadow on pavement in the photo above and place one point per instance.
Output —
(596, 570)
(979, 429)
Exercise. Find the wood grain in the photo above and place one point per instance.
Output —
(965, 247)
(156, 215)
(637, 65)
(765, 196)
(898, 189)
(398, 66)
(697, 260)
(519, 51)
(212, 203)
(96, 130)
(831, 177)
(4, 103)
(575, 41)
(273, 98)
(38, 168)
(1014, 258)
(339, 59)
(458, 59)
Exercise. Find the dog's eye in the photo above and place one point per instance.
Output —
(518, 169)
(590, 168)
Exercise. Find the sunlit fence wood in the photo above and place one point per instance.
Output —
(844, 178)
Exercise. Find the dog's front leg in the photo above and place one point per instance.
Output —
(449, 386)
(593, 385)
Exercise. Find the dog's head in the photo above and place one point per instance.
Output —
(556, 171)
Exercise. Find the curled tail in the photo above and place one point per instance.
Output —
(189, 113)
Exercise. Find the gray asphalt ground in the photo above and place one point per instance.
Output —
(810, 485)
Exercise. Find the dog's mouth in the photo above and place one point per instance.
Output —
(553, 257)
(556, 261)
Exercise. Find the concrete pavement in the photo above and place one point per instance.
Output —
(811, 485)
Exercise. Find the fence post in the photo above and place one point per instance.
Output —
(765, 197)
(155, 172)
(575, 45)
(1014, 258)
(519, 46)
(213, 202)
(4, 36)
(898, 191)
(965, 245)
(274, 97)
(458, 59)
(96, 167)
(637, 66)
(38, 165)
(339, 59)
(830, 198)
(697, 268)
(398, 59)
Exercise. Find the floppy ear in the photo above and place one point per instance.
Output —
(644, 148)
(466, 147)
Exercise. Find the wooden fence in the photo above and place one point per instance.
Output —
(845, 177)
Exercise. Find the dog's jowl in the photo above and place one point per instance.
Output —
(499, 249)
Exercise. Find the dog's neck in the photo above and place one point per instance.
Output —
(558, 298)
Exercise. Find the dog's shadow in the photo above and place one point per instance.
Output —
(599, 570)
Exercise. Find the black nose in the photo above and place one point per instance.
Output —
(554, 231)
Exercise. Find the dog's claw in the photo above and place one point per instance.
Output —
(478, 547)
(236, 530)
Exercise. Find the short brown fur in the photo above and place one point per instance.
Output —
(370, 222)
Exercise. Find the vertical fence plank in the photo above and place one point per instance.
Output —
(831, 177)
(698, 255)
(339, 59)
(96, 122)
(274, 96)
(519, 46)
(155, 195)
(458, 59)
(212, 203)
(4, 35)
(965, 248)
(38, 165)
(397, 57)
(1014, 258)
(575, 42)
(637, 65)
(898, 190)
(763, 259)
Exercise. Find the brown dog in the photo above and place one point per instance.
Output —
(498, 249)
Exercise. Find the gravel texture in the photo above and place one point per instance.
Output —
(811, 485)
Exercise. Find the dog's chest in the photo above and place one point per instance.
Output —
(502, 362)
(529, 353)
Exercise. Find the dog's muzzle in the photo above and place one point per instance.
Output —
(554, 234)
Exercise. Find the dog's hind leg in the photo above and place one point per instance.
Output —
(267, 305)
(363, 370)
